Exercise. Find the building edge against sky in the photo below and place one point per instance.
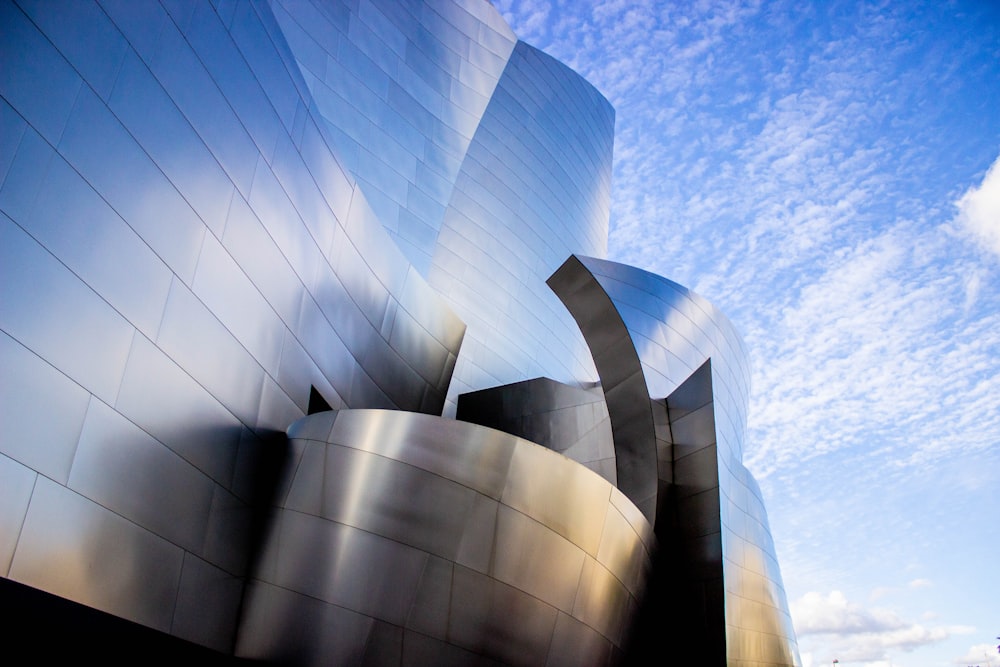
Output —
(220, 217)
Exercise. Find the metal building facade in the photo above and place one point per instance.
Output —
(219, 217)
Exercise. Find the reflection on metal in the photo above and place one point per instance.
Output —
(633, 415)
(715, 586)
(533, 188)
(413, 533)
(570, 420)
(232, 214)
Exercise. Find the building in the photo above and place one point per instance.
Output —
(378, 227)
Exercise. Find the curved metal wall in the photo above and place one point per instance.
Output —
(565, 418)
(534, 188)
(405, 539)
(181, 258)
(202, 207)
(402, 87)
(489, 163)
(675, 331)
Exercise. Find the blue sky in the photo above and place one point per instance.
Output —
(829, 175)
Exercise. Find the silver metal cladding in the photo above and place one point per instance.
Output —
(229, 215)
(473, 539)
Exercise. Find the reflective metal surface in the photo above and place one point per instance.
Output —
(212, 212)
(674, 374)
(183, 257)
(570, 420)
(528, 194)
(374, 528)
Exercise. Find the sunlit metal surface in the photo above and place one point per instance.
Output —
(570, 420)
(459, 536)
(211, 213)
(529, 194)
(664, 350)
(183, 258)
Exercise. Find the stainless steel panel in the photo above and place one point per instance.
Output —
(12, 128)
(305, 493)
(622, 380)
(277, 410)
(149, 114)
(483, 611)
(196, 340)
(249, 244)
(426, 355)
(155, 390)
(697, 471)
(189, 85)
(474, 456)
(140, 23)
(41, 415)
(383, 575)
(385, 646)
(124, 469)
(96, 145)
(85, 37)
(478, 538)
(621, 551)
(208, 605)
(135, 285)
(532, 557)
(390, 372)
(537, 486)
(698, 514)
(207, 36)
(317, 427)
(694, 430)
(602, 602)
(28, 164)
(259, 50)
(228, 532)
(303, 193)
(575, 644)
(324, 347)
(16, 485)
(36, 80)
(429, 613)
(40, 301)
(289, 628)
(298, 373)
(395, 500)
(272, 207)
(366, 483)
(76, 549)
(420, 650)
(329, 174)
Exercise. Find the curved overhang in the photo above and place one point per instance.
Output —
(633, 423)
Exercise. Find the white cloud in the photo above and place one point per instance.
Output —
(980, 654)
(979, 210)
(853, 633)
(815, 613)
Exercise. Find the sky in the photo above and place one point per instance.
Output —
(828, 174)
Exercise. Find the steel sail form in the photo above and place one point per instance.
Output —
(283, 379)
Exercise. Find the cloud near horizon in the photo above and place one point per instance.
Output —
(852, 632)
